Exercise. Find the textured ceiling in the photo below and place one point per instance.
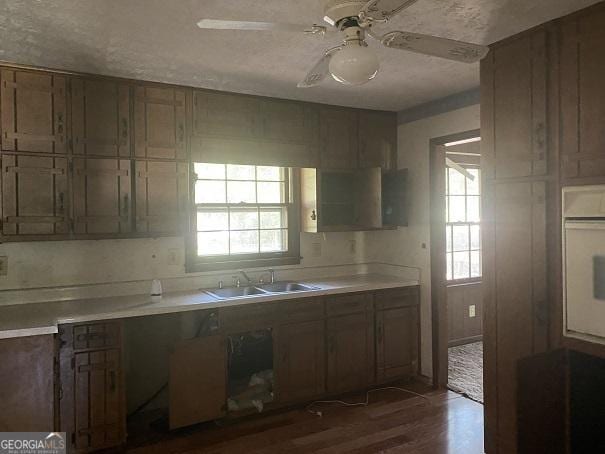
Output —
(158, 40)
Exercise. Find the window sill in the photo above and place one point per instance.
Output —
(198, 266)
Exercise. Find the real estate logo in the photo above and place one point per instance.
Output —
(32, 443)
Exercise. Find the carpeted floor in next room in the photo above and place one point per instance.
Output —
(465, 370)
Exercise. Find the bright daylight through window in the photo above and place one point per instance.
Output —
(463, 227)
(241, 209)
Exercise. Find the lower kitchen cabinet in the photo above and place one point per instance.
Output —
(26, 384)
(198, 381)
(301, 361)
(350, 343)
(396, 334)
(91, 390)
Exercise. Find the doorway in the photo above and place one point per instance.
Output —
(456, 263)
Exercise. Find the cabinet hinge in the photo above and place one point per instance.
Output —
(73, 363)
(73, 438)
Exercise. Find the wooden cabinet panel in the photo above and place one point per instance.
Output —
(198, 381)
(338, 138)
(92, 404)
(377, 139)
(97, 403)
(159, 123)
(100, 117)
(301, 361)
(162, 190)
(33, 114)
(397, 297)
(582, 95)
(514, 107)
(350, 343)
(348, 304)
(101, 196)
(396, 343)
(517, 324)
(239, 129)
(34, 195)
(26, 375)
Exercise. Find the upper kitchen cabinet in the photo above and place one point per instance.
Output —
(102, 196)
(159, 122)
(378, 139)
(582, 95)
(162, 195)
(33, 111)
(338, 138)
(231, 128)
(513, 107)
(100, 117)
(34, 196)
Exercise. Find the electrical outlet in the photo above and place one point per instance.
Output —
(173, 256)
(316, 250)
(472, 311)
(352, 247)
(3, 265)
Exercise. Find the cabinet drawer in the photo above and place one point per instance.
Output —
(96, 335)
(348, 304)
(252, 316)
(301, 310)
(399, 297)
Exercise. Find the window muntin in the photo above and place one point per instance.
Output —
(463, 225)
(241, 210)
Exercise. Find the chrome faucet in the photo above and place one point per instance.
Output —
(243, 273)
(272, 274)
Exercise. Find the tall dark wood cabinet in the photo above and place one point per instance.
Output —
(514, 154)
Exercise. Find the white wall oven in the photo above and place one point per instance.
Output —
(584, 262)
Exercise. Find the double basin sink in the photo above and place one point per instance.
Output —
(259, 290)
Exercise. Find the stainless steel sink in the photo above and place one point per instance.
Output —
(286, 287)
(235, 292)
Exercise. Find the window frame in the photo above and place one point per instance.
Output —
(470, 279)
(196, 263)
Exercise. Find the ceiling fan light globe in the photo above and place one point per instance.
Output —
(355, 64)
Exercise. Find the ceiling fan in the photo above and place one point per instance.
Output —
(352, 62)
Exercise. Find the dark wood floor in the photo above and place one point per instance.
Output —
(392, 423)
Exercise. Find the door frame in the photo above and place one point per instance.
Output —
(439, 317)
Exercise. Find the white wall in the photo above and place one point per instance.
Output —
(69, 263)
(410, 245)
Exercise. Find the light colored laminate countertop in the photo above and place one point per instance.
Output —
(22, 320)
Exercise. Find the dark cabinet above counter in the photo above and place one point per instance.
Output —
(117, 153)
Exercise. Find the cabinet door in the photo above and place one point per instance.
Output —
(292, 128)
(98, 402)
(100, 117)
(34, 195)
(350, 352)
(516, 308)
(513, 107)
(582, 95)
(378, 139)
(159, 123)
(101, 196)
(225, 115)
(26, 375)
(301, 361)
(198, 381)
(33, 111)
(162, 194)
(338, 138)
(396, 343)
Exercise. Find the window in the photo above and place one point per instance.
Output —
(463, 228)
(243, 213)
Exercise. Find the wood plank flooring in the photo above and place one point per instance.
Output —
(393, 422)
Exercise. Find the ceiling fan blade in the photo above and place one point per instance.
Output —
(383, 10)
(319, 72)
(217, 24)
(438, 47)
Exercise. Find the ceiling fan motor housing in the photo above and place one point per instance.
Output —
(337, 10)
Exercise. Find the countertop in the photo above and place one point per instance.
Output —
(22, 320)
